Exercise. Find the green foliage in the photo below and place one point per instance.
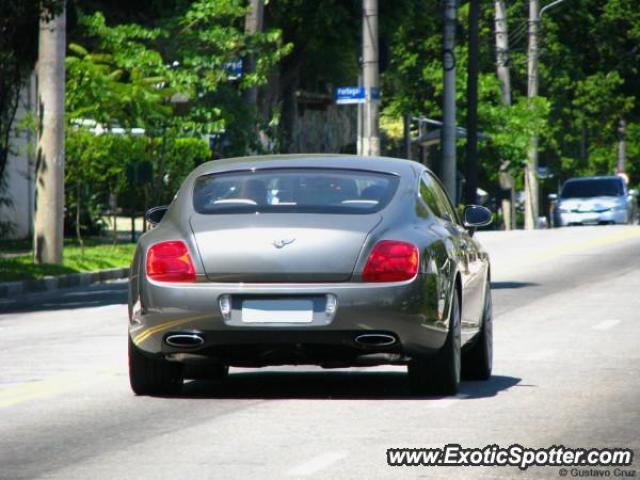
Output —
(511, 127)
(124, 84)
(96, 166)
(169, 78)
(75, 259)
(182, 155)
(589, 59)
(19, 26)
(172, 73)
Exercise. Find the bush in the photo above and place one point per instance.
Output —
(99, 167)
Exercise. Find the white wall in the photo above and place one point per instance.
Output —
(19, 174)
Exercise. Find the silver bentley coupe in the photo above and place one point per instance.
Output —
(327, 260)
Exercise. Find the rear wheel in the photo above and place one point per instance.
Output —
(150, 376)
(440, 374)
(477, 362)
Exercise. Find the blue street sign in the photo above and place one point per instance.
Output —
(233, 69)
(349, 95)
(353, 95)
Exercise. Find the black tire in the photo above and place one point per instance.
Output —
(477, 361)
(150, 376)
(440, 374)
(216, 372)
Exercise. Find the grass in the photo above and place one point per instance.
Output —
(96, 257)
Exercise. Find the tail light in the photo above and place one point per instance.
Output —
(170, 262)
(391, 261)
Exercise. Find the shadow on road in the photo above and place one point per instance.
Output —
(98, 295)
(343, 385)
(511, 285)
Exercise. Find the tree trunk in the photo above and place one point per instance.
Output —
(252, 25)
(531, 170)
(49, 218)
(502, 70)
(502, 51)
(78, 218)
(622, 151)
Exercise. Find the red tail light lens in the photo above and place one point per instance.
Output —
(391, 261)
(170, 262)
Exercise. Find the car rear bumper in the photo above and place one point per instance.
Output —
(408, 312)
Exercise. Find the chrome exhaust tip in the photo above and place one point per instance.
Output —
(184, 340)
(375, 339)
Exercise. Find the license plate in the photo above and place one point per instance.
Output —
(277, 311)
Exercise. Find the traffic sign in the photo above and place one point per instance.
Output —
(349, 95)
(234, 69)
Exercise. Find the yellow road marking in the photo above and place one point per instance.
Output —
(595, 242)
(55, 385)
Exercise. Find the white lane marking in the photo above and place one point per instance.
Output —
(540, 355)
(316, 464)
(447, 402)
(607, 324)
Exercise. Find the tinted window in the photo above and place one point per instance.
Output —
(436, 199)
(429, 196)
(597, 187)
(303, 190)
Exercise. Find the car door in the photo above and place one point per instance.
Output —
(471, 261)
(447, 226)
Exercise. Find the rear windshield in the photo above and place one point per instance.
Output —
(598, 187)
(303, 190)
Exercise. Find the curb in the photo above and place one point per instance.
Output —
(46, 284)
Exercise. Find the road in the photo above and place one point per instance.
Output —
(567, 329)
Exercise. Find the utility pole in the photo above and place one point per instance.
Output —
(622, 151)
(360, 121)
(531, 198)
(448, 170)
(472, 107)
(504, 76)
(371, 78)
(502, 51)
(49, 208)
(407, 135)
(253, 23)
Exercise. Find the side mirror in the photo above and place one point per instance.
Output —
(155, 215)
(552, 197)
(633, 192)
(475, 216)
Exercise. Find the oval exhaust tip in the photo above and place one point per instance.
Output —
(375, 339)
(184, 340)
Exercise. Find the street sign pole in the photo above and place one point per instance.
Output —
(360, 120)
(371, 77)
(471, 165)
(448, 170)
(530, 171)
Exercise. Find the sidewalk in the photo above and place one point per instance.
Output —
(10, 289)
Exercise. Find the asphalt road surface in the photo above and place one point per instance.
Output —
(567, 372)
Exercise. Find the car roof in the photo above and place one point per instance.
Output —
(381, 164)
(600, 177)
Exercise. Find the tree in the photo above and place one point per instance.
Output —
(131, 75)
(49, 205)
(19, 23)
